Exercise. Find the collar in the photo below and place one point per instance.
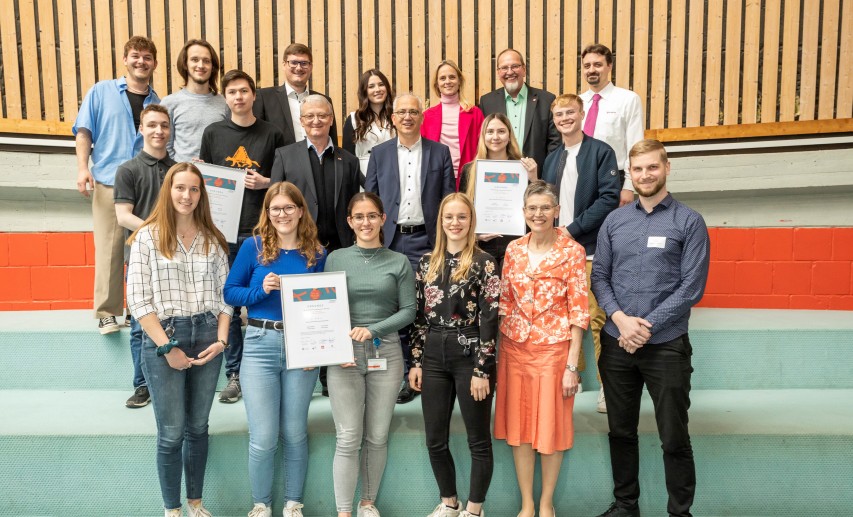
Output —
(666, 202)
(604, 93)
(522, 94)
(416, 146)
(290, 91)
(318, 151)
(149, 160)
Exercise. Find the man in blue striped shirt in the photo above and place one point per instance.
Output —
(650, 268)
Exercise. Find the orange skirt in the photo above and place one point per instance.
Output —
(529, 406)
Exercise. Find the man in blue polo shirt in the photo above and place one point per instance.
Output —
(106, 130)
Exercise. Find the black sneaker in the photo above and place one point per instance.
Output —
(616, 511)
(108, 325)
(231, 393)
(140, 398)
(127, 320)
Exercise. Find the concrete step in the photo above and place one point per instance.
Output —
(758, 453)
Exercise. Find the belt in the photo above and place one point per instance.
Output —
(411, 229)
(266, 324)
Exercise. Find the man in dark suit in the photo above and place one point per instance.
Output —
(411, 175)
(279, 105)
(528, 108)
(327, 175)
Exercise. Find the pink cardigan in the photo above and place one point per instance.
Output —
(469, 131)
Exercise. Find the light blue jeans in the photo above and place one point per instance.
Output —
(182, 401)
(362, 407)
(276, 401)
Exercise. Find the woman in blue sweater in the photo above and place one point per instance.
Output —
(284, 243)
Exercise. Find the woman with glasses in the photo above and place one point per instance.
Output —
(497, 142)
(454, 122)
(284, 242)
(453, 351)
(370, 124)
(176, 270)
(381, 288)
(544, 312)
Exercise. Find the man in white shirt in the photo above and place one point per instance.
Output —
(613, 115)
(280, 105)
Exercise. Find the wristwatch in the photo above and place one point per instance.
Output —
(224, 343)
(165, 349)
(572, 368)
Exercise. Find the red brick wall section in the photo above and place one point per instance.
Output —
(757, 268)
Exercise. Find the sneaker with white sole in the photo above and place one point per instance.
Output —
(174, 512)
(442, 510)
(295, 510)
(260, 510)
(601, 407)
(140, 398)
(108, 325)
(466, 513)
(367, 511)
(197, 511)
(231, 392)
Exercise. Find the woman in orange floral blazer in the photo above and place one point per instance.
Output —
(543, 309)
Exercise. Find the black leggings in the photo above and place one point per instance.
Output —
(447, 376)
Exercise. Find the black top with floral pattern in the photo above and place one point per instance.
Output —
(472, 301)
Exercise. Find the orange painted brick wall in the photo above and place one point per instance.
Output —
(759, 268)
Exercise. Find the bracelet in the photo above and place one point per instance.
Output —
(165, 349)
(224, 343)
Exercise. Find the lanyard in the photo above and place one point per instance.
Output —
(376, 343)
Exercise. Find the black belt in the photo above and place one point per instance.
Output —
(411, 229)
(266, 324)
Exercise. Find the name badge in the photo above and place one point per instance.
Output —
(656, 242)
(377, 365)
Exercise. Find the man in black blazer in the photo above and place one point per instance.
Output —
(411, 175)
(528, 108)
(327, 175)
(279, 105)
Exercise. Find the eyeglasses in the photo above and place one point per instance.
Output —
(536, 209)
(405, 113)
(276, 211)
(506, 68)
(298, 64)
(449, 218)
(372, 217)
(311, 117)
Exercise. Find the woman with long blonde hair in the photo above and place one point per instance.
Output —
(453, 351)
(284, 242)
(176, 271)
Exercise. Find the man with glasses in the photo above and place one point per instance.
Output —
(243, 142)
(279, 105)
(585, 174)
(411, 175)
(527, 108)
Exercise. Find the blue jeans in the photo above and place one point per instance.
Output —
(234, 352)
(182, 401)
(276, 402)
(136, 353)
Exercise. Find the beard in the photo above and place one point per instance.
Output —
(649, 189)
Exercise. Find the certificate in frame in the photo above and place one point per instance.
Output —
(225, 188)
(315, 308)
(499, 197)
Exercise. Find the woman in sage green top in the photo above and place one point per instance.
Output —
(381, 288)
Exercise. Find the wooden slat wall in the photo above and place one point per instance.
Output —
(694, 63)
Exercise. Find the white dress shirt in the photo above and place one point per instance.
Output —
(411, 212)
(295, 100)
(620, 122)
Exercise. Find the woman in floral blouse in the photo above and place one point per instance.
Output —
(453, 350)
(544, 311)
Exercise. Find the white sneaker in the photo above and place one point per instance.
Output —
(197, 511)
(602, 404)
(367, 511)
(466, 513)
(442, 510)
(293, 511)
(174, 512)
(261, 510)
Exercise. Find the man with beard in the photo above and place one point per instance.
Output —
(650, 268)
(107, 130)
(528, 108)
(197, 105)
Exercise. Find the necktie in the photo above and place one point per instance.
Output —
(589, 125)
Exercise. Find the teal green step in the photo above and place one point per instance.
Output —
(758, 453)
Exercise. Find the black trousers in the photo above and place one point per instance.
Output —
(665, 368)
(447, 376)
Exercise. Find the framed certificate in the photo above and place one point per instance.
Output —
(225, 187)
(499, 197)
(316, 319)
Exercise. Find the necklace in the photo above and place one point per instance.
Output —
(365, 257)
(189, 233)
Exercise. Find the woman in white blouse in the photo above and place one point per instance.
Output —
(370, 124)
(177, 269)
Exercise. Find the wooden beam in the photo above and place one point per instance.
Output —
(35, 127)
(773, 129)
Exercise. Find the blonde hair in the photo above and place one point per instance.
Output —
(436, 260)
(513, 152)
(647, 146)
(306, 230)
(463, 102)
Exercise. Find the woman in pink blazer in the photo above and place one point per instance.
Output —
(454, 122)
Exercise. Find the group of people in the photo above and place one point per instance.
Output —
(432, 303)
